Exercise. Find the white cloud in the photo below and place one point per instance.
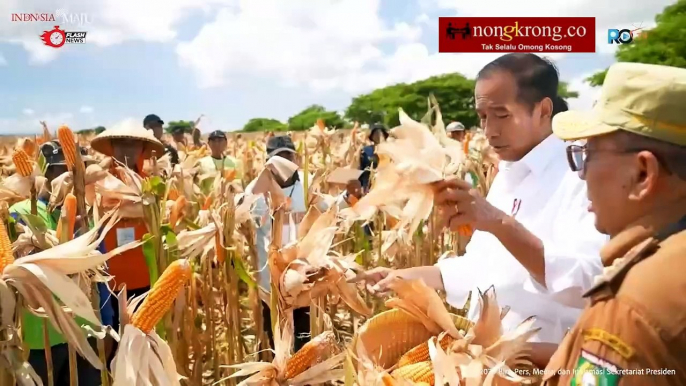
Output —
(86, 109)
(301, 45)
(31, 125)
(422, 19)
(296, 42)
(28, 111)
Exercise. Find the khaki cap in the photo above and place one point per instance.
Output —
(103, 142)
(644, 99)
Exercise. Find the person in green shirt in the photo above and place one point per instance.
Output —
(32, 325)
(216, 161)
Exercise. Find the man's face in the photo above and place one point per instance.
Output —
(156, 128)
(610, 178)
(511, 127)
(178, 136)
(217, 145)
(457, 135)
(127, 151)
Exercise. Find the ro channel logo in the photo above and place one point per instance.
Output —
(622, 36)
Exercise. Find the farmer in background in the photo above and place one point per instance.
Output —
(179, 137)
(154, 123)
(292, 187)
(369, 160)
(634, 162)
(218, 161)
(534, 238)
(197, 141)
(456, 131)
(130, 146)
(32, 326)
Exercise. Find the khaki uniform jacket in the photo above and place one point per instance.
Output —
(634, 330)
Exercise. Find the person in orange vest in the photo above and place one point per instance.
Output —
(130, 146)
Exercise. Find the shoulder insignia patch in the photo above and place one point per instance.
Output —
(610, 340)
(593, 371)
(619, 266)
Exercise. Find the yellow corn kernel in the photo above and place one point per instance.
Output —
(313, 352)
(6, 256)
(162, 295)
(417, 372)
(420, 353)
(22, 163)
(66, 138)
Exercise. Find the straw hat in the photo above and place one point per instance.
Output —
(103, 142)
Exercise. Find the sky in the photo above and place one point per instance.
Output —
(233, 60)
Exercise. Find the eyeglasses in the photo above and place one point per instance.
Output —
(578, 156)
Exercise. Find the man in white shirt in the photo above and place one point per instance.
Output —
(282, 146)
(535, 240)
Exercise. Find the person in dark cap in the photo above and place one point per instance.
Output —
(155, 123)
(368, 159)
(218, 160)
(292, 187)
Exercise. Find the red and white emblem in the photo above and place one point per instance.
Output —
(54, 38)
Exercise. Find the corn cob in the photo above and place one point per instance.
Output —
(67, 217)
(417, 372)
(230, 174)
(6, 256)
(465, 143)
(173, 194)
(465, 230)
(162, 295)
(313, 352)
(208, 203)
(387, 380)
(219, 251)
(66, 138)
(176, 211)
(22, 163)
(420, 353)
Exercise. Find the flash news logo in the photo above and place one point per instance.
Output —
(622, 36)
(57, 37)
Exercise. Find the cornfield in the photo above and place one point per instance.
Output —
(201, 323)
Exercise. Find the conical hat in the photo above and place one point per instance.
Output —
(129, 130)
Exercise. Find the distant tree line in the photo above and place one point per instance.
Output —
(454, 92)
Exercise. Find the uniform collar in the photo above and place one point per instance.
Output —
(538, 159)
(660, 223)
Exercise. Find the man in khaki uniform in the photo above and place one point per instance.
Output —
(633, 332)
